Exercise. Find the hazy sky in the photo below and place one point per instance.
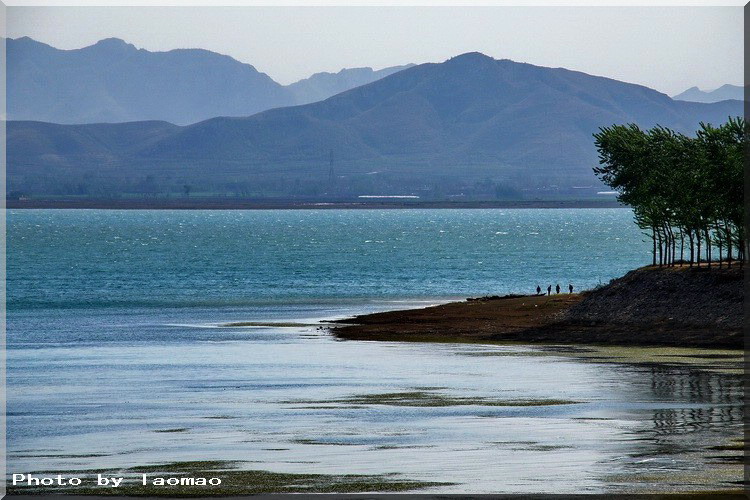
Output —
(666, 48)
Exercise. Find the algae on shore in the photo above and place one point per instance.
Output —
(287, 324)
(431, 399)
(233, 482)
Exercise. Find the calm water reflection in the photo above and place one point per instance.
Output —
(501, 419)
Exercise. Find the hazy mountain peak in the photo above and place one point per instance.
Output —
(471, 56)
(112, 42)
(104, 82)
(728, 86)
(723, 93)
(323, 85)
(474, 59)
(24, 39)
(363, 69)
(107, 48)
(26, 43)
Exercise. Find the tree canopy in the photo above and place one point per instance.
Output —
(682, 189)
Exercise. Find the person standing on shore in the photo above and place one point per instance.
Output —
(549, 289)
(538, 290)
(570, 287)
(557, 288)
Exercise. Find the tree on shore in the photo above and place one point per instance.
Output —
(686, 192)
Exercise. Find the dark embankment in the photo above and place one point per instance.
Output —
(680, 306)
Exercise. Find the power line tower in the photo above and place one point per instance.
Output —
(331, 176)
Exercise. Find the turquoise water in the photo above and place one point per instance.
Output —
(90, 259)
(115, 333)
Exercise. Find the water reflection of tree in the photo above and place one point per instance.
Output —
(669, 383)
(713, 411)
(679, 420)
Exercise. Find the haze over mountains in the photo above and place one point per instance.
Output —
(471, 127)
(113, 81)
(723, 93)
(323, 85)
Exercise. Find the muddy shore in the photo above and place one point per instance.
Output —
(651, 306)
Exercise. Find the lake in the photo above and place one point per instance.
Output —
(118, 353)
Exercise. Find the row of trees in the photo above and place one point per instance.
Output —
(687, 192)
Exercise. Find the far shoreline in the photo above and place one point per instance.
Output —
(221, 203)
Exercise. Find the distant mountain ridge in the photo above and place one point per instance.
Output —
(113, 81)
(470, 126)
(323, 85)
(723, 93)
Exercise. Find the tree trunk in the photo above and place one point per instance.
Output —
(698, 248)
(692, 247)
(672, 241)
(661, 249)
(682, 247)
(729, 244)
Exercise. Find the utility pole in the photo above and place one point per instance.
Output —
(331, 176)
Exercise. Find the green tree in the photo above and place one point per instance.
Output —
(681, 188)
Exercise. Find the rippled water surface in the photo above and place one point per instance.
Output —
(117, 356)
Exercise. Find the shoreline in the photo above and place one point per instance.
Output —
(285, 204)
(639, 309)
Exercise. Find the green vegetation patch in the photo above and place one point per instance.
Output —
(261, 323)
(430, 399)
(321, 442)
(402, 446)
(197, 465)
(729, 447)
(61, 455)
(514, 354)
(233, 482)
(727, 361)
(531, 446)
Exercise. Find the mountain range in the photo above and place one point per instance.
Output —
(113, 81)
(470, 126)
(723, 93)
